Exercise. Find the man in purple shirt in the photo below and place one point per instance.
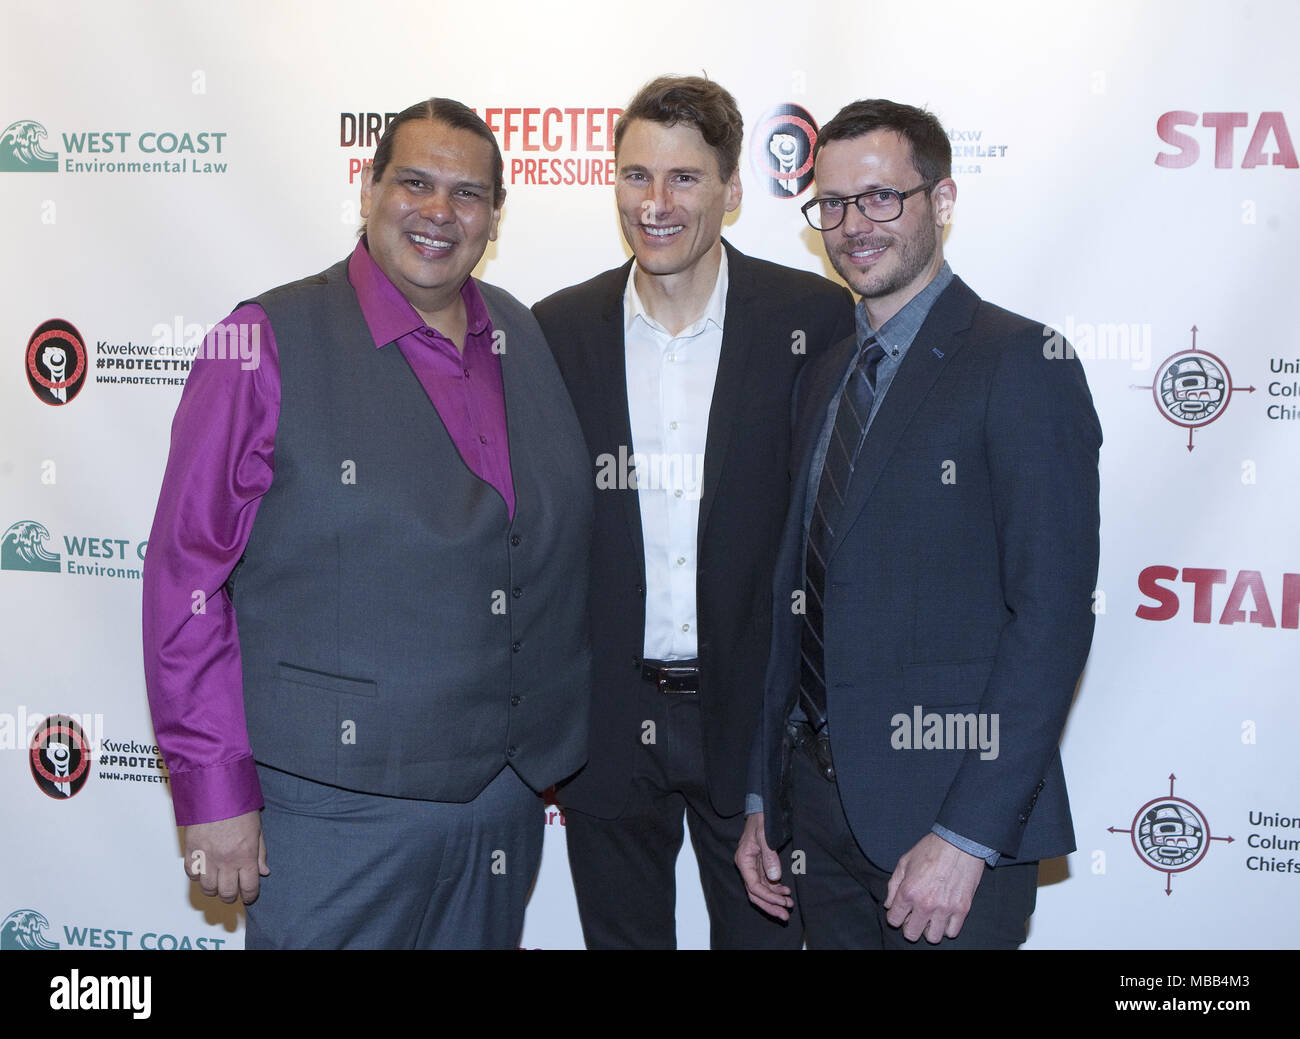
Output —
(359, 657)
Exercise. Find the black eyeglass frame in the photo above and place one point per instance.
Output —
(856, 200)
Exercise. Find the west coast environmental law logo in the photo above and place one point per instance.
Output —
(25, 929)
(56, 362)
(1193, 388)
(24, 548)
(157, 149)
(22, 149)
(781, 150)
(60, 757)
(1170, 834)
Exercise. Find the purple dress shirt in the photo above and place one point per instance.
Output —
(221, 462)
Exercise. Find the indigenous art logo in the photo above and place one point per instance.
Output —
(21, 150)
(781, 150)
(1193, 388)
(1170, 834)
(60, 756)
(24, 548)
(56, 362)
(23, 929)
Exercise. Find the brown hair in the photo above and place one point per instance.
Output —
(696, 101)
(925, 135)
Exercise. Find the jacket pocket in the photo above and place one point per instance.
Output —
(946, 684)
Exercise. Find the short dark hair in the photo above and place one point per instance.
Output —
(450, 113)
(925, 135)
(694, 100)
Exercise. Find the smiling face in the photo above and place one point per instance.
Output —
(672, 198)
(886, 263)
(431, 216)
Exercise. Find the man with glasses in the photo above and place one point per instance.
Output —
(941, 552)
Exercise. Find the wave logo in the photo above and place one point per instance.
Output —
(24, 548)
(21, 150)
(22, 929)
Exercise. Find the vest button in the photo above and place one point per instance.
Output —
(510, 751)
(515, 701)
(515, 539)
(518, 593)
(514, 646)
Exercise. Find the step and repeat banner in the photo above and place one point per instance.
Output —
(1127, 174)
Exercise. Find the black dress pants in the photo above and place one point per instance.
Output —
(841, 893)
(624, 869)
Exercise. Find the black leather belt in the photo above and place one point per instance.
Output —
(817, 745)
(672, 676)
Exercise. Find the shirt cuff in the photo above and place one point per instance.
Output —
(205, 795)
(970, 847)
(753, 804)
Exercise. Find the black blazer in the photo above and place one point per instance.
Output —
(771, 310)
(963, 585)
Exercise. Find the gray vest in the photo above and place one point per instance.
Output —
(400, 634)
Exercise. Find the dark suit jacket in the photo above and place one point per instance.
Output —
(960, 581)
(746, 488)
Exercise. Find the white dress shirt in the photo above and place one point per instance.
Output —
(669, 391)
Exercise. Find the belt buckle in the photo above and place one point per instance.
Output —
(687, 676)
(674, 679)
(817, 745)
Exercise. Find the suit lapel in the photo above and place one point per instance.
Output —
(730, 389)
(938, 341)
(609, 363)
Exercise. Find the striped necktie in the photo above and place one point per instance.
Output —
(849, 432)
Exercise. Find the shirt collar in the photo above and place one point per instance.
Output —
(715, 310)
(389, 315)
(897, 333)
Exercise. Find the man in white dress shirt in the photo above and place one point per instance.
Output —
(680, 365)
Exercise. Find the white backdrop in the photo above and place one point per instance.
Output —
(1065, 212)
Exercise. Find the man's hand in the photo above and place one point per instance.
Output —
(760, 868)
(227, 857)
(931, 889)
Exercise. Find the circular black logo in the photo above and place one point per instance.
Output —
(780, 150)
(60, 756)
(1193, 388)
(1170, 834)
(56, 362)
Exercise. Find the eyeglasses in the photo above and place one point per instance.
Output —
(879, 205)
